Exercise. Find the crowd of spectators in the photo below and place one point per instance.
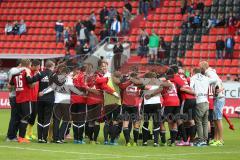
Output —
(227, 45)
(82, 37)
(15, 28)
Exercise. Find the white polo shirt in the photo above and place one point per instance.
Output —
(200, 83)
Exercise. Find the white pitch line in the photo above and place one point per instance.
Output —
(166, 156)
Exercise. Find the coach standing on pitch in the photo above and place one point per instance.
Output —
(200, 84)
(219, 102)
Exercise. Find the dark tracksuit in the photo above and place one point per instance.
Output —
(45, 104)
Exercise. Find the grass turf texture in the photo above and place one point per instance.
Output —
(70, 151)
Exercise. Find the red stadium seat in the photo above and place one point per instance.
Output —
(219, 62)
(212, 62)
(235, 62)
(227, 62)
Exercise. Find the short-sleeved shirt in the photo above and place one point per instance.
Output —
(23, 90)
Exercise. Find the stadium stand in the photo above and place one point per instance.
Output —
(192, 46)
(40, 18)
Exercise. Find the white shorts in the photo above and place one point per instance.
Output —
(153, 51)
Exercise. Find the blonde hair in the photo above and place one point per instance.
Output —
(25, 62)
(204, 65)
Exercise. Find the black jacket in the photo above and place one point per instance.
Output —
(118, 49)
(103, 14)
(43, 77)
(220, 45)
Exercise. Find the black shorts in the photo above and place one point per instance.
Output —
(78, 112)
(154, 111)
(112, 112)
(210, 115)
(171, 113)
(24, 110)
(130, 113)
(94, 112)
(188, 109)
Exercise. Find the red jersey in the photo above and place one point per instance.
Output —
(101, 83)
(34, 89)
(181, 81)
(211, 97)
(170, 96)
(23, 91)
(79, 82)
(93, 98)
(131, 94)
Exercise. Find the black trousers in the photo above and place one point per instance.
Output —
(117, 61)
(14, 120)
(24, 110)
(34, 113)
(61, 113)
(45, 110)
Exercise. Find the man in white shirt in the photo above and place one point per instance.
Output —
(200, 84)
(219, 102)
(115, 27)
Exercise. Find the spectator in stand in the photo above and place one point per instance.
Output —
(143, 41)
(153, 46)
(8, 28)
(220, 45)
(200, 5)
(145, 8)
(126, 17)
(93, 20)
(78, 27)
(232, 21)
(183, 6)
(117, 51)
(155, 4)
(221, 21)
(115, 27)
(190, 8)
(230, 42)
(59, 30)
(15, 29)
(128, 6)
(93, 40)
(103, 15)
(197, 21)
(212, 22)
(83, 35)
(107, 24)
(140, 6)
(103, 34)
(22, 27)
(66, 36)
(162, 49)
(190, 20)
(112, 13)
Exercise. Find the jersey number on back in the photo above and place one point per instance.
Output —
(19, 82)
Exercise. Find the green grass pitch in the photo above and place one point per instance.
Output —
(70, 151)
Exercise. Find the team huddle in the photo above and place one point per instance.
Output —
(84, 98)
